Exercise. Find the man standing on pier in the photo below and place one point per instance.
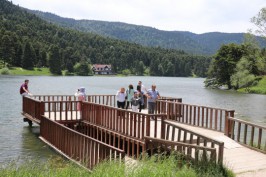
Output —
(152, 95)
(24, 91)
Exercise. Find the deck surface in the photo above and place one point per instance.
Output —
(243, 161)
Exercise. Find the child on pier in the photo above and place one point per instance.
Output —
(135, 101)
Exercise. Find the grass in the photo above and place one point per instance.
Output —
(155, 166)
(33, 72)
(260, 88)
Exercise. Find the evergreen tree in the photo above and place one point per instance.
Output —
(18, 55)
(82, 68)
(28, 56)
(7, 51)
(54, 60)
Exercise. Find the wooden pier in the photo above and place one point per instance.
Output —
(100, 131)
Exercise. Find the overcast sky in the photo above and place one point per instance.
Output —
(197, 16)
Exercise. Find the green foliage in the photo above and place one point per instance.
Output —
(54, 167)
(260, 22)
(54, 60)
(37, 39)
(207, 43)
(4, 71)
(242, 77)
(32, 72)
(155, 166)
(82, 68)
(126, 72)
(224, 63)
(28, 56)
(259, 88)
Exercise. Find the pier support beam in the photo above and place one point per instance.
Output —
(27, 120)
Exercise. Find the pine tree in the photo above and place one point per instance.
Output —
(28, 56)
(54, 60)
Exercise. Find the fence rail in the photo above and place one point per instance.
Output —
(247, 133)
(195, 152)
(100, 99)
(133, 124)
(131, 146)
(32, 108)
(200, 116)
(176, 133)
(76, 146)
(61, 110)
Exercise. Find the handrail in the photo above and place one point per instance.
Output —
(130, 145)
(174, 132)
(77, 146)
(32, 108)
(195, 115)
(248, 134)
(190, 150)
(133, 124)
(101, 99)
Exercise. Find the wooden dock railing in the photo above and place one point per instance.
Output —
(131, 146)
(61, 110)
(133, 124)
(76, 146)
(200, 116)
(247, 133)
(100, 99)
(176, 133)
(32, 108)
(196, 152)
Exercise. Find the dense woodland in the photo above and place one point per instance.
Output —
(204, 44)
(28, 41)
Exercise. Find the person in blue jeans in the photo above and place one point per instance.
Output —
(152, 95)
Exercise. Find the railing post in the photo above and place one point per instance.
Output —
(148, 119)
(163, 127)
(41, 109)
(221, 153)
(228, 124)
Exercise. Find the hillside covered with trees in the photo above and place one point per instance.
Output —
(204, 44)
(28, 41)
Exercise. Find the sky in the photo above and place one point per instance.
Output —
(197, 16)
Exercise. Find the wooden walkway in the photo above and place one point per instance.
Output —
(236, 157)
(192, 128)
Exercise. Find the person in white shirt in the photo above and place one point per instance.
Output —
(121, 98)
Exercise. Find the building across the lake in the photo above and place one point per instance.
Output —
(102, 69)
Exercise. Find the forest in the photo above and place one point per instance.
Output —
(28, 41)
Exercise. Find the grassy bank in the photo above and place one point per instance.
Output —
(157, 166)
(21, 71)
(260, 88)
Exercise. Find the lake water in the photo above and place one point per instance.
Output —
(19, 142)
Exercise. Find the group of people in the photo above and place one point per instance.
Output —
(135, 98)
(125, 97)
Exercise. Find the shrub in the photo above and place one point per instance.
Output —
(5, 71)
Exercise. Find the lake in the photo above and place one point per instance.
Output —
(19, 142)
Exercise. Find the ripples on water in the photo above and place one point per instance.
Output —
(18, 141)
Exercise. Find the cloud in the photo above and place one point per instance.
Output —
(197, 16)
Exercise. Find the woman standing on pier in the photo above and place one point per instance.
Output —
(81, 97)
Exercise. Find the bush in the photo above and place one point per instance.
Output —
(5, 71)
